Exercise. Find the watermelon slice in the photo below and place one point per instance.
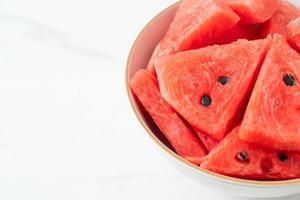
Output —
(234, 157)
(294, 33)
(253, 11)
(249, 32)
(208, 86)
(195, 24)
(272, 117)
(279, 21)
(145, 87)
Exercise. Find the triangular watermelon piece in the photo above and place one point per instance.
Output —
(145, 87)
(209, 86)
(272, 117)
(294, 33)
(249, 32)
(253, 11)
(234, 157)
(195, 24)
(279, 21)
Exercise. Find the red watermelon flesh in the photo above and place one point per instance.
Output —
(144, 85)
(272, 118)
(195, 24)
(191, 82)
(207, 141)
(279, 21)
(294, 33)
(249, 32)
(253, 11)
(234, 157)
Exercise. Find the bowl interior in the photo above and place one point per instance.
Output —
(140, 55)
(138, 59)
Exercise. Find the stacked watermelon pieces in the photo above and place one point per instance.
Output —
(223, 86)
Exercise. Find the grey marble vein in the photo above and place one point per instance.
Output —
(41, 32)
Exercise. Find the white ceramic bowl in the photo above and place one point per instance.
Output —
(138, 58)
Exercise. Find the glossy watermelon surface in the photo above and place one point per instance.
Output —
(279, 21)
(294, 33)
(253, 11)
(145, 87)
(272, 118)
(208, 86)
(234, 157)
(196, 23)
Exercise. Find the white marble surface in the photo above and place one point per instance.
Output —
(67, 131)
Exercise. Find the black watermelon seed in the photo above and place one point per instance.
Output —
(289, 80)
(223, 80)
(206, 100)
(283, 157)
(243, 157)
